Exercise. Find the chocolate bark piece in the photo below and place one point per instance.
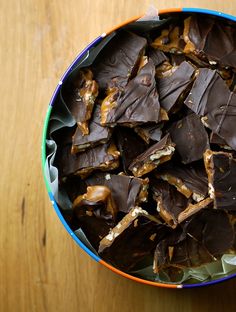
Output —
(117, 62)
(129, 144)
(176, 59)
(211, 39)
(170, 203)
(210, 97)
(189, 180)
(126, 191)
(170, 40)
(157, 56)
(179, 250)
(132, 239)
(97, 200)
(221, 170)
(216, 139)
(138, 103)
(204, 238)
(213, 228)
(190, 137)
(204, 94)
(154, 156)
(173, 87)
(81, 98)
(149, 132)
(102, 157)
(97, 134)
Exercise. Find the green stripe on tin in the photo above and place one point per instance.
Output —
(44, 137)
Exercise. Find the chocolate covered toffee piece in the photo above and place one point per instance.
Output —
(126, 191)
(97, 134)
(210, 39)
(170, 40)
(189, 180)
(102, 157)
(82, 98)
(138, 103)
(170, 203)
(95, 212)
(132, 239)
(153, 157)
(210, 97)
(173, 206)
(204, 238)
(149, 132)
(157, 56)
(221, 170)
(118, 60)
(190, 137)
(171, 88)
(129, 144)
(216, 139)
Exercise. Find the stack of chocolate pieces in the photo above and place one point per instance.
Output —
(154, 146)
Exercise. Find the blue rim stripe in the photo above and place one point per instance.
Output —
(216, 281)
(72, 234)
(94, 42)
(211, 12)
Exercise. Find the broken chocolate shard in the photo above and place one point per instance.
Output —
(170, 203)
(189, 180)
(210, 39)
(129, 144)
(213, 229)
(102, 157)
(132, 239)
(221, 170)
(210, 97)
(97, 134)
(118, 60)
(81, 97)
(171, 88)
(157, 56)
(149, 132)
(170, 40)
(154, 156)
(138, 103)
(179, 250)
(190, 137)
(126, 191)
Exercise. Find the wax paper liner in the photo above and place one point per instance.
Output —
(61, 117)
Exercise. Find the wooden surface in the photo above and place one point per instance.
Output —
(41, 268)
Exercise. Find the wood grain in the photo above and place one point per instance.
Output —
(41, 268)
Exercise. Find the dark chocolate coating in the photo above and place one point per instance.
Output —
(129, 144)
(141, 159)
(171, 200)
(97, 134)
(194, 177)
(190, 137)
(186, 251)
(118, 61)
(139, 102)
(133, 244)
(157, 56)
(170, 88)
(124, 189)
(213, 229)
(216, 139)
(224, 181)
(150, 132)
(92, 159)
(213, 39)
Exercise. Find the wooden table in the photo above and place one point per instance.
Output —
(41, 268)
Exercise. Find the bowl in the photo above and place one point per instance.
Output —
(46, 152)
